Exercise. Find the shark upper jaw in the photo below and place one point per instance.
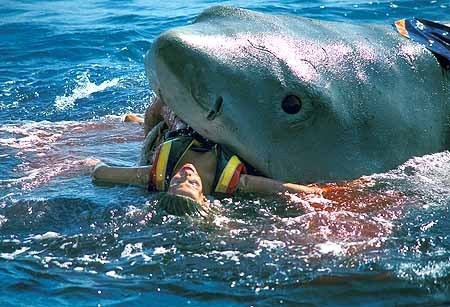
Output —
(192, 99)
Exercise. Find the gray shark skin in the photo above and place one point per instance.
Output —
(369, 98)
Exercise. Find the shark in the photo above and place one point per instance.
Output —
(301, 99)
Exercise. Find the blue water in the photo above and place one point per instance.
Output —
(70, 69)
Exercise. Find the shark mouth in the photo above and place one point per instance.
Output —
(177, 121)
(172, 120)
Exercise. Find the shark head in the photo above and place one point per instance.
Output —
(290, 95)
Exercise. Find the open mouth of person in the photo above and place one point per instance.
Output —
(189, 167)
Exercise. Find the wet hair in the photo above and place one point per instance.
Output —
(180, 205)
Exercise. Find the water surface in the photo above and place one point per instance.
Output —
(69, 70)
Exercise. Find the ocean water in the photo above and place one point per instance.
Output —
(69, 70)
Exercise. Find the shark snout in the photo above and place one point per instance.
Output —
(183, 70)
(169, 54)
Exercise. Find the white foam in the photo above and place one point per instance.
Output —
(162, 250)
(63, 265)
(132, 250)
(423, 271)
(45, 236)
(229, 255)
(330, 248)
(274, 244)
(427, 226)
(10, 256)
(92, 259)
(113, 274)
(84, 89)
(221, 220)
(3, 220)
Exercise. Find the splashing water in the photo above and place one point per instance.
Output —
(84, 89)
(386, 228)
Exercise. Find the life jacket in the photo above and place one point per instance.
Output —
(178, 143)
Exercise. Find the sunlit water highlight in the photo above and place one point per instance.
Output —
(70, 70)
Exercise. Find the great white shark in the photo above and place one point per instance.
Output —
(301, 99)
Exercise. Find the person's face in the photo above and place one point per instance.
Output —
(187, 182)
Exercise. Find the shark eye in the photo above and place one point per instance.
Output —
(291, 104)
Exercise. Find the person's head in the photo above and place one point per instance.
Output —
(187, 182)
(185, 193)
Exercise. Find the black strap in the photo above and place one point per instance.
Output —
(206, 144)
(177, 150)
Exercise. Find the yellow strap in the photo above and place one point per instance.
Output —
(401, 28)
(227, 174)
(162, 166)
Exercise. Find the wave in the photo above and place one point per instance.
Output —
(84, 89)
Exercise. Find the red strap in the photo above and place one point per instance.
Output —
(235, 178)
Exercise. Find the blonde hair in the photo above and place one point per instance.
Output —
(181, 205)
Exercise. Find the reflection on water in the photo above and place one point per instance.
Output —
(46, 149)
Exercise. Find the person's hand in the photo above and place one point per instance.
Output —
(92, 164)
(311, 189)
(96, 168)
(133, 118)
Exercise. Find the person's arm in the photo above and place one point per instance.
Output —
(151, 141)
(125, 175)
(257, 184)
(153, 115)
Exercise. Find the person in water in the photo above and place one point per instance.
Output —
(179, 161)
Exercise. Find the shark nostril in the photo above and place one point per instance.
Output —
(218, 104)
(216, 108)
